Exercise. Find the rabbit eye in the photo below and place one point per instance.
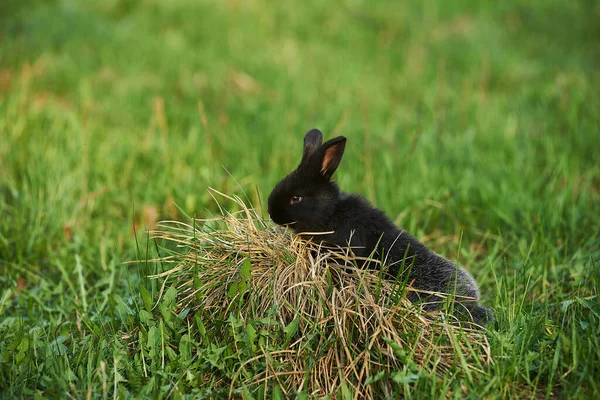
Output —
(295, 199)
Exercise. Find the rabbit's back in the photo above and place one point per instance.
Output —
(371, 233)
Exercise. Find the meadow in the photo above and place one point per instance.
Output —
(474, 125)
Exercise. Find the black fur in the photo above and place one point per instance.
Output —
(354, 221)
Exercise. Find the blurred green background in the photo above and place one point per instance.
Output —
(474, 125)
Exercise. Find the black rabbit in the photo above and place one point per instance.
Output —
(309, 201)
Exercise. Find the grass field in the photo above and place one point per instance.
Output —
(474, 125)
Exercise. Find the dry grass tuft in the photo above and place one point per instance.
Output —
(343, 329)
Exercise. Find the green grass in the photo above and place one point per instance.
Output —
(475, 126)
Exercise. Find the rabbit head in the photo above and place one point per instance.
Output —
(307, 195)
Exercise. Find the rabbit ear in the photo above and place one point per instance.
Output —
(331, 156)
(312, 141)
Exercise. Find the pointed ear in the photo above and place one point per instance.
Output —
(312, 141)
(332, 152)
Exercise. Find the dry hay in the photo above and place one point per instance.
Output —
(356, 333)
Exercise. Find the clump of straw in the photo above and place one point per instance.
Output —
(344, 329)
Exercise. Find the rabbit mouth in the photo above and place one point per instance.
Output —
(281, 221)
(286, 224)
